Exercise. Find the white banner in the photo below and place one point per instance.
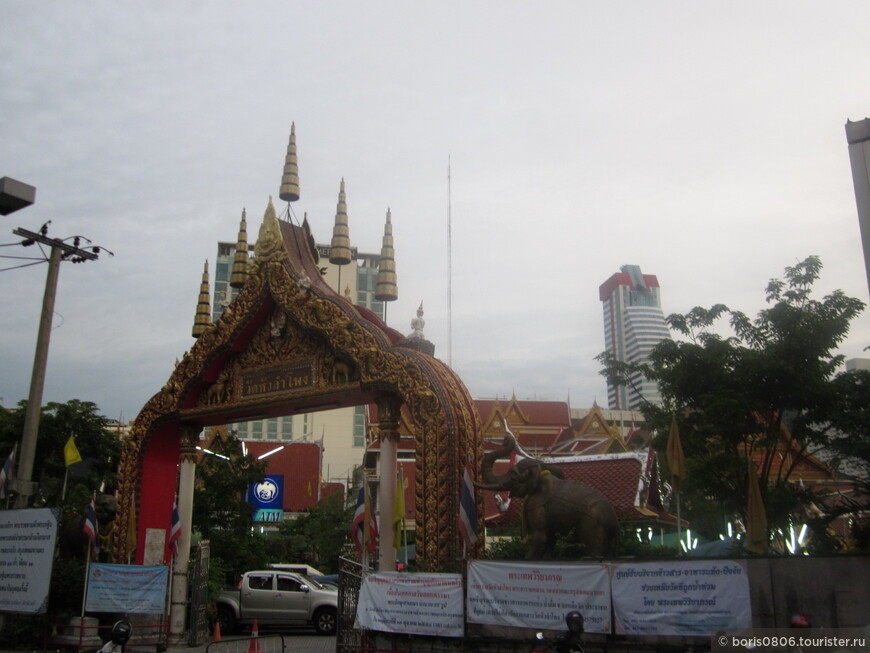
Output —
(538, 595)
(420, 604)
(27, 540)
(127, 588)
(680, 598)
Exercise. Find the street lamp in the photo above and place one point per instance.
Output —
(15, 195)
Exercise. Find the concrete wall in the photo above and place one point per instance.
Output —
(832, 592)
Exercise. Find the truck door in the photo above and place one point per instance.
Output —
(258, 597)
(291, 602)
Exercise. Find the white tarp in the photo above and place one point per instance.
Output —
(27, 539)
(420, 604)
(538, 595)
(680, 598)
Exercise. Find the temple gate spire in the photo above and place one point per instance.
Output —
(203, 308)
(290, 180)
(386, 289)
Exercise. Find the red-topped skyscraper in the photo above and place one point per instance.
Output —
(633, 325)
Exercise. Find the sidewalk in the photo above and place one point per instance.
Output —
(267, 642)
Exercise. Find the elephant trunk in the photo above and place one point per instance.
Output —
(496, 481)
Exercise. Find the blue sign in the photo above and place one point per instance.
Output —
(267, 499)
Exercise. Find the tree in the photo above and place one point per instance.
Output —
(734, 395)
(99, 448)
(319, 536)
(221, 513)
(100, 451)
(847, 425)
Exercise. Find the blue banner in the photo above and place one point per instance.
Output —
(133, 589)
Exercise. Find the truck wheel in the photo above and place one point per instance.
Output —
(227, 620)
(325, 621)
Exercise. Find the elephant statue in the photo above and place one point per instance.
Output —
(553, 506)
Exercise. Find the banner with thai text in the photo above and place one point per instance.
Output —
(134, 589)
(419, 604)
(538, 595)
(693, 598)
(27, 541)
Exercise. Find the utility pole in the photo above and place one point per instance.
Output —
(60, 250)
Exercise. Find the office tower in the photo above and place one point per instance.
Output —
(633, 325)
(858, 138)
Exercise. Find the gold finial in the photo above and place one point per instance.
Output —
(290, 180)
(339, 248)
(269, 240)
(240, 262)
(386, 289)
(203, 308)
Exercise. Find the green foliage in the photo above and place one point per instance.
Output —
(221, 513)
(509, 546)
(632, 547)
(99, 448)
(733, 395)
(318, 537)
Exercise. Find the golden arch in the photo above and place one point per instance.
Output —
(289, 343)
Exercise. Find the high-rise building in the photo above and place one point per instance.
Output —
(633, 325)
(858, 138)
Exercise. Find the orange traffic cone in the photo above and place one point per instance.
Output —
(217, 632)
(254, 645)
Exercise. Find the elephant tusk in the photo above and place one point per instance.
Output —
(488, 486)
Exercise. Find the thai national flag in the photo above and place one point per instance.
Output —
(467, 510)
(91, 527)
(359, 518)
(6, 473)
(174, 531)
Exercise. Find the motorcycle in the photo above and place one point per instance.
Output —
(119, 635)
(567, 643)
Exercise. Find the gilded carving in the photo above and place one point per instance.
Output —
(313, 342)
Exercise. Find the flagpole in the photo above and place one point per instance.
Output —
(91, 544)
(166, 603)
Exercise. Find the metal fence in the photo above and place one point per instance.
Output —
(199, 621)
(347, 638)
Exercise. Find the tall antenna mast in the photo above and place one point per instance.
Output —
(449, 271)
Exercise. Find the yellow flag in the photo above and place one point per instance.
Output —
(71, 453)
(674, 454)
(399, 510)
(756, 517)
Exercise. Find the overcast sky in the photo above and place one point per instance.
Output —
(702, 141)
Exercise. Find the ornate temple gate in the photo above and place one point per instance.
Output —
(290, 344)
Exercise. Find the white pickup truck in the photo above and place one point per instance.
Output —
(277, 598)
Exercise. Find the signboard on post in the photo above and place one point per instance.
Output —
(27, 540)
(133, 589)
(267, 499)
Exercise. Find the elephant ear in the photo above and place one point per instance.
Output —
(526, 479)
